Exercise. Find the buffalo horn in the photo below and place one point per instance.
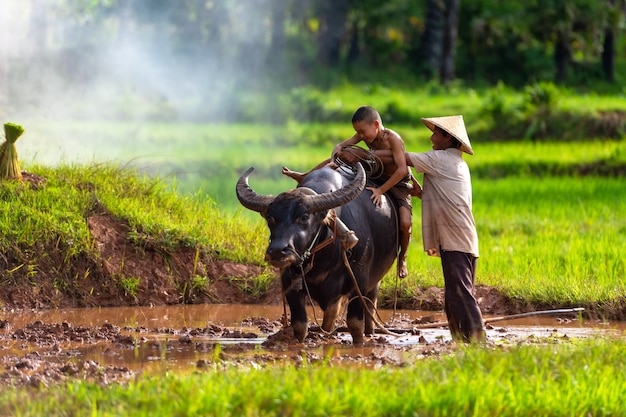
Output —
(250, 199)
(326, 201)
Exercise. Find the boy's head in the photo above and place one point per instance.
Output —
(367, 123)
(366, 114)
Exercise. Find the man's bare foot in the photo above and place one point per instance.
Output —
(402, 269)
(298, 176)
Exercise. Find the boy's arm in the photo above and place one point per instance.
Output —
(356, 138)
(399, 160)
(386, 158)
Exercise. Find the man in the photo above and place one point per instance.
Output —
(448, 227)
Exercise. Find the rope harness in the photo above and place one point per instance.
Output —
(374, 169)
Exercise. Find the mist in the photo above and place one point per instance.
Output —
(129, 60)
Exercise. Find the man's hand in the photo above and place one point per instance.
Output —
(417, 188)
(377, 196)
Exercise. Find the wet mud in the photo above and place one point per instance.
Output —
(40, 348)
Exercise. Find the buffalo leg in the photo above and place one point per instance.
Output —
(355, 320)
(297, 308)
(330, 314)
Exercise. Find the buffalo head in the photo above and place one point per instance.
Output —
(294, 217)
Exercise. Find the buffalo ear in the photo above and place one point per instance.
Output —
(271, 221)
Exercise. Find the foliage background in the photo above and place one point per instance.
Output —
(195, 92)
(228, 61)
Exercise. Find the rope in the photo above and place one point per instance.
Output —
(285, 320)
(395, 299)
(371, 163)
(505, 318)
(360, 295)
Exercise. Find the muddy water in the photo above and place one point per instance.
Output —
(185, 337)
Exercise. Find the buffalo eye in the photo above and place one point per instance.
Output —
(270, 221)
(304, 218)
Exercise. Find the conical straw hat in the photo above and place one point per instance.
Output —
(453, 125)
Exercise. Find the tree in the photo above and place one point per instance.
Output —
(333, 16)
(615, 15)
(278, 41)
(580, 30)
(437, 50)
(447, 65)
(429, 53)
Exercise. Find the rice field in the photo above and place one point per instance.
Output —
(572, 378)
(546, 235)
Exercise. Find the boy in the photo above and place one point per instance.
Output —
(396, 178)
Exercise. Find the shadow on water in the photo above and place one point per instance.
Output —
(186, 337)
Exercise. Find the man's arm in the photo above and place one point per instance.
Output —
(386, 156)
(399, 160)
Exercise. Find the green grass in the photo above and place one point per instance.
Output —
(554, 238)
(577, 378)
(536, 234)
(547, 240)
(210, 158)
(546, 235)
(158, 216)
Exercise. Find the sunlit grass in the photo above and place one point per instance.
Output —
(555, 377)
(546, 235)
(543, 238)
(210, 157)
(158, 217)
(552, 240)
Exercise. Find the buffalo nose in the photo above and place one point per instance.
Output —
(280, 254)
(276, 252)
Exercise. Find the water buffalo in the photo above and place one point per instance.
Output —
(296, 220)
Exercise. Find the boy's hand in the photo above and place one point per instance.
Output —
(377, 196)
(353, 154)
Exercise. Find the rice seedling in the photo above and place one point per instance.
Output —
(554, 378)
